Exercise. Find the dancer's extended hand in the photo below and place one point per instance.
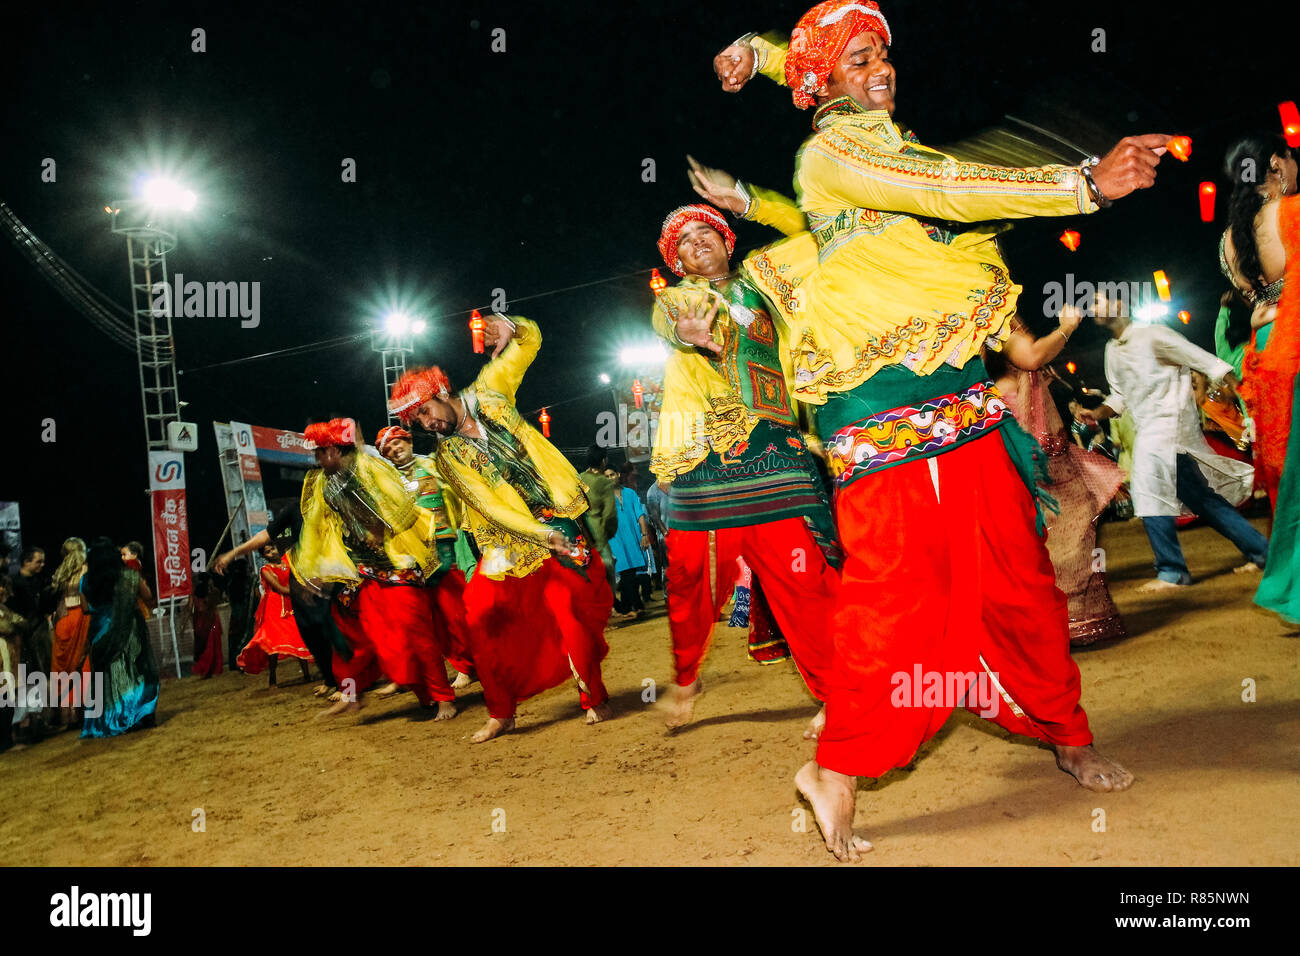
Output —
(715, 185)
(498, 332)
(1130, 165)
(695, 326)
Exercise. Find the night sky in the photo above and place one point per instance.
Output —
(520, 170)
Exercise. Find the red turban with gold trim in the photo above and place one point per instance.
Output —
(677, 220)
(819, 39)
(415, 388)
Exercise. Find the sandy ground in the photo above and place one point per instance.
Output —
(1218, 779)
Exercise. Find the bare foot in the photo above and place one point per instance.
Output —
(492, 728)
(335, 697)
(596, 714)
(446, 710)
(832, 796)
(388, 690)
(461, 682)
(342, 706)
(1159, 585)
(1092, 770)
(816, 725)
(321, 691)
(1250, 567)
(682, 707)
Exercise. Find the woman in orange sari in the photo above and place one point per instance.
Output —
(1260, 253)
(71, 630)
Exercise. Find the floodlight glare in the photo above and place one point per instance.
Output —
(167, 194)
(604, 379)
(640, 355)
(397, 323)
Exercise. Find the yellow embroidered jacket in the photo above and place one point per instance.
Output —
(898, 283)
(405, 535)
(510, 538)
(702, 410)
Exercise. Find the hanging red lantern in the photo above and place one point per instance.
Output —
(1181, 147)
(638, 392)
(545, 419)
(1185, 317)
(1070, 367)
(1290, 123)
(1207, 193)
(657, 282)
(1070, 239)
(476, 327)
(1162, 284)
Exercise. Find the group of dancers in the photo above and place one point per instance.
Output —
(867, 324)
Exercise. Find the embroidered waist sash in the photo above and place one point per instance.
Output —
(897, 416)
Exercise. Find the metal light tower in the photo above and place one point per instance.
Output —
(393, 342)
(148, 240)
(146, 224)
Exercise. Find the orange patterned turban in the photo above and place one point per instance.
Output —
(388, 434)
(337, 431)
(819, 39)
(677, 220)
(415, 388)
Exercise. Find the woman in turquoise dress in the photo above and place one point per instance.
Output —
(121, 656)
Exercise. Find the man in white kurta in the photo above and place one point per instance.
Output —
(1149, 368)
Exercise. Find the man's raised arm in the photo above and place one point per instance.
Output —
(505, 371)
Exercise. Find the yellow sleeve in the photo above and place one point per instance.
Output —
(770, 50)
(505, 372)
(841, 169)
(772, 209)
(472, 486)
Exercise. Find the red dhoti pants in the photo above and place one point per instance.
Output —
(448, 592)
(390, 626)
(933, 582)
(800, 588)
(533, 633)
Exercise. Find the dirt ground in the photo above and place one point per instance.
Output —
(1218, 779)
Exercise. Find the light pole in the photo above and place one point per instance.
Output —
(393, 341)
(146, 222)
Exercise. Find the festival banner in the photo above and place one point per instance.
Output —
(171, 533)
(282, 447)
(251, 474)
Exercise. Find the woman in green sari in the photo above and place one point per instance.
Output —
(120, 654)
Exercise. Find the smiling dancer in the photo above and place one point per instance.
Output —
(945, 569)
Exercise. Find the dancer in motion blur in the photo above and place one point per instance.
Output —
(539, 600)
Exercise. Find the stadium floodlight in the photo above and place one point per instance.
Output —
(397, 323)
(161, 193)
